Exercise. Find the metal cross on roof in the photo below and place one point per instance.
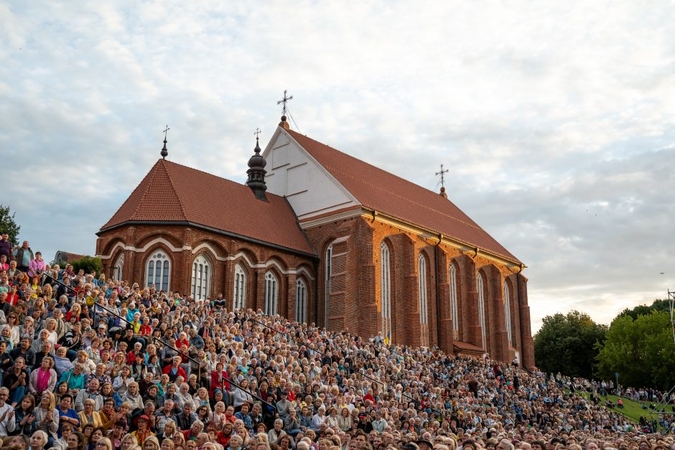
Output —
(284, 101)
(164, 151)
(442, 173)
(257, 132)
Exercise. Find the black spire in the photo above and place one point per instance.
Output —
(256, 172)
(164, 151)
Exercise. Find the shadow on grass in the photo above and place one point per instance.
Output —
(632, 410)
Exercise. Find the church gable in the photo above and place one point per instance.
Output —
(310, 189)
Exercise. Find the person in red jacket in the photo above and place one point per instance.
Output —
(137, 350)
(182, 341)
(175, 370)
(220, 379)
(146, 328)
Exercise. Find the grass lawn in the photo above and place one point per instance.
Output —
(632, 410)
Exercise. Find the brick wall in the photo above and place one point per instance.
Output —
(354, 302)
(180, 243)
(355, 299)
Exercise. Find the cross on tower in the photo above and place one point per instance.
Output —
(164, 151)
(442, 173)
(257, 132)
(284, 101)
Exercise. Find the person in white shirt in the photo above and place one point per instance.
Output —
(7, 422)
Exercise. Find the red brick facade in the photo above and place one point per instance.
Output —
(354, 300)
(183, 244)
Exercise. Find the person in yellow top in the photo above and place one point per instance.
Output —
(89, 416)
(135, 324)
(143, 432)
(35, 289)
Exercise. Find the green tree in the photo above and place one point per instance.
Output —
(89, 264)
(643, 310)
(567, 344)
(641, 350)
(8, 225)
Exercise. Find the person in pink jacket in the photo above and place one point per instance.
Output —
(37, 266)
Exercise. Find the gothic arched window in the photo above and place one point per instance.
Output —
(158, 270)
(422, 294)
(454, 307)
(300, 301)
(239, 298)
(201, 278)
(507, 313)
(480, 285)
(118, 268)
(385, 290)
(271, 294)
(328, 273)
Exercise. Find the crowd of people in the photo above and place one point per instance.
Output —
(93, 363)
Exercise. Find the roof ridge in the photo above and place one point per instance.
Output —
(174, 163)
(173, 187)
(401, 197)
(365, 162)
(145, 192)
(376, 188)
(211, 175)
(472, 224)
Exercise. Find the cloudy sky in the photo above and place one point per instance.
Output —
(555, 119)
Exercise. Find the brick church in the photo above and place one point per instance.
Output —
(319, 236)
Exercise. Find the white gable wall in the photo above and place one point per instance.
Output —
(293, 173)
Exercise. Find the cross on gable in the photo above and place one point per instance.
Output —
(164, 151)
(442, 173)
(283, 102)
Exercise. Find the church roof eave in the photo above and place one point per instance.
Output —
(455, 242)
(207, 228)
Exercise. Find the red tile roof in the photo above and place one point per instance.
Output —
(384, 192)
(171, 192)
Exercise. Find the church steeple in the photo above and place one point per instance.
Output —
(164, 151)
(256, 171)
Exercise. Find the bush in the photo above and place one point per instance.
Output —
(89, 264)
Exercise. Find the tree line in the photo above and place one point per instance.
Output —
(638, 346)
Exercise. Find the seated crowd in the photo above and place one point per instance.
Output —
(97, 364)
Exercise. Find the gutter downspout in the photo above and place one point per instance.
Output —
(316, 291)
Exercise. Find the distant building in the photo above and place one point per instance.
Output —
(66, 257)
(319, 236)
